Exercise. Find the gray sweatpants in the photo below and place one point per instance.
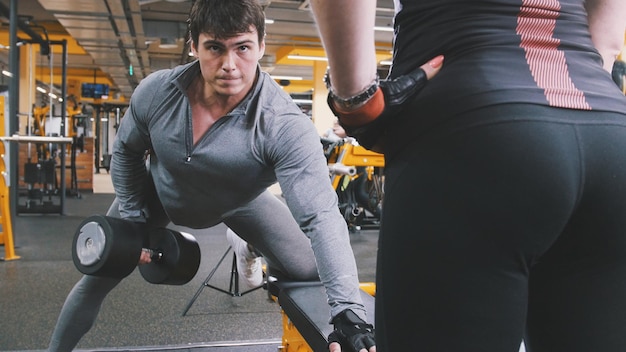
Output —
(265, 222)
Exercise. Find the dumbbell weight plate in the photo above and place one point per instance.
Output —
(106, 246)
(180, 261)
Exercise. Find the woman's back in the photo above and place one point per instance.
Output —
(503, 51)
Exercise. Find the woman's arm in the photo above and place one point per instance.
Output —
(607, 24)
(347, 31)
(363, 105)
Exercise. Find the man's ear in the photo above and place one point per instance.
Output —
(261, 49)
(194, 50)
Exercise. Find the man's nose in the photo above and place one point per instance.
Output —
(228, 62)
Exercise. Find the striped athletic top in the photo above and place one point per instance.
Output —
(503, 51)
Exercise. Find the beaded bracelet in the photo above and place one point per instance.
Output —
(355, 100)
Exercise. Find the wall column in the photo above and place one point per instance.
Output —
(323, 118)
(27, 85)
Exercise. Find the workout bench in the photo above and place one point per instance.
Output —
(306, 314)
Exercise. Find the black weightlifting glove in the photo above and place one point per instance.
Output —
(365, 124)
(351, 332)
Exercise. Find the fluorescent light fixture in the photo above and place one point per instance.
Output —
(41, 90)
(307, 57)
(386, 9)
(168, 43)
(386, 62)
(20, 43)
(289, 78)
(383, 29)
(269, 21)
(303, 101)
(52, 95)
(7, 73)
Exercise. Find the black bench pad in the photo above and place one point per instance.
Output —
(306, 305)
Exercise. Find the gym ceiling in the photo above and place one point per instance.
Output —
(105, 38)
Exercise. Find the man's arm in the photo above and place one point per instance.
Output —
(607, 24)
(128, 166)
(302, 172)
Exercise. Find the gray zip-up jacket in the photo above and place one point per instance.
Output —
(265, 139)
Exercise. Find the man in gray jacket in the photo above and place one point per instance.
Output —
(219, 132)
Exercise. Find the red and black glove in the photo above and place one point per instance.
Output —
(368, 122)
(351, 332)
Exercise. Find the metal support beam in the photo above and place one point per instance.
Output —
(13, 106)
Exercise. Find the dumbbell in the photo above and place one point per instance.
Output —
(111, 247)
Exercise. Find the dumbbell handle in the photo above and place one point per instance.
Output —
(155, 254)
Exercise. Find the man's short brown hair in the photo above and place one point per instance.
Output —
(226, 18)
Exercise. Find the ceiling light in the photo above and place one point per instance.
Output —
(386, 62)
(383, 29)
(306, 57)
(289, 78)
(7, 73)
(8, 47)
(269, 21)
(41, 90)
(385, 9)
(168, 43)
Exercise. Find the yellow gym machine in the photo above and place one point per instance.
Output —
(6, 236)
(9, 123)
(357, 175)
(40, 172)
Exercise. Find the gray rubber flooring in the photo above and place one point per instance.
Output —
(137, 316)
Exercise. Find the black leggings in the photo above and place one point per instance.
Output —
(506, 229)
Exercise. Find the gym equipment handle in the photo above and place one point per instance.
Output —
(341, 169)
(36, 139)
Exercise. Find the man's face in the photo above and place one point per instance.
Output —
(229, 65)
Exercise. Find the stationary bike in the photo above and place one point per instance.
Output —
(357, 175)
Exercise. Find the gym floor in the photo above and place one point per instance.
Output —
(137, 316)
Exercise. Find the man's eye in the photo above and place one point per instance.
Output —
(244, 48)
